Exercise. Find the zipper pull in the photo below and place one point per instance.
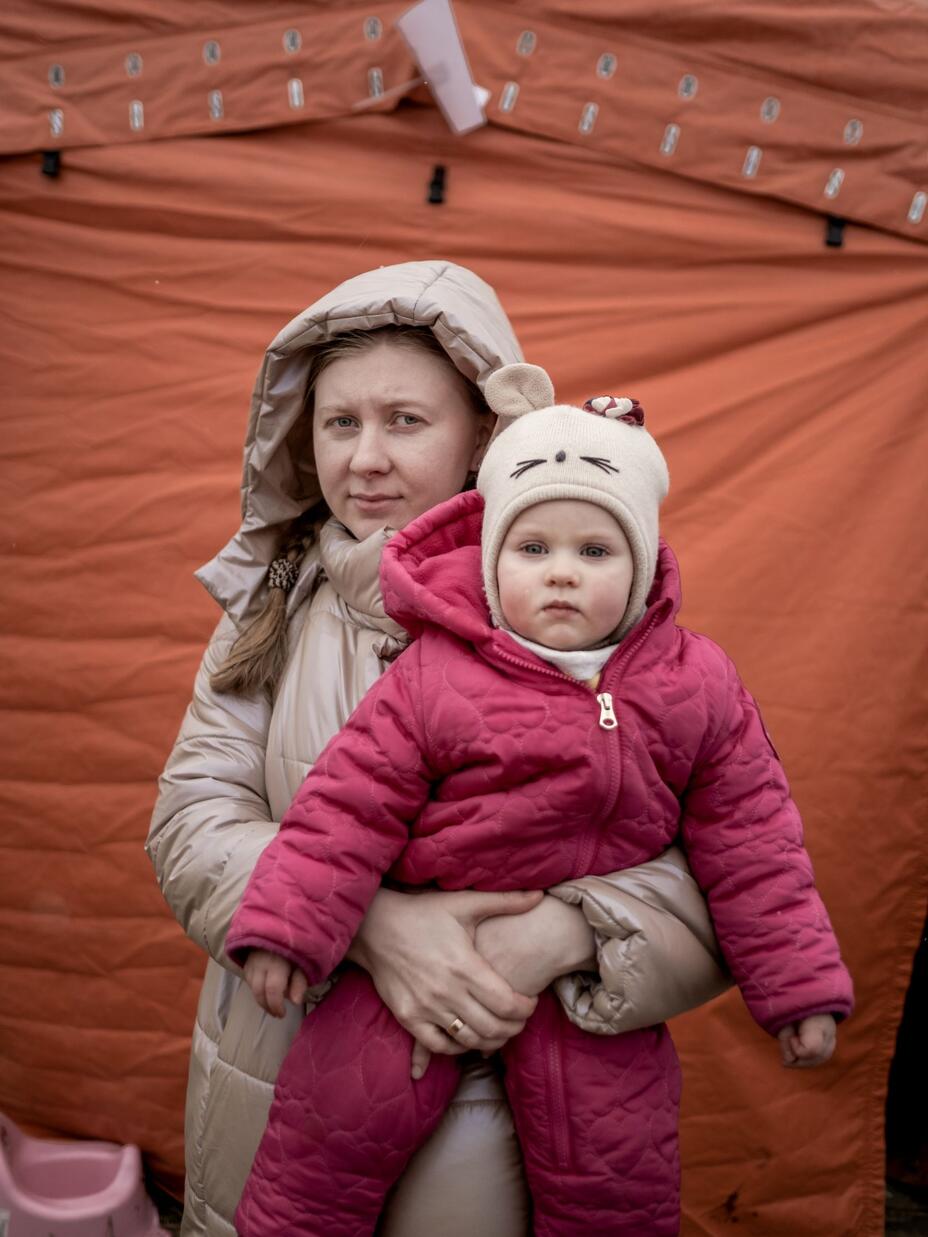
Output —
(607, 717)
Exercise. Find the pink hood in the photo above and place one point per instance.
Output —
(431, 577)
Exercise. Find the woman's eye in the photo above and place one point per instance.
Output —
(342, 423)
(408, 418)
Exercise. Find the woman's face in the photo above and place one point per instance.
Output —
(394, 433)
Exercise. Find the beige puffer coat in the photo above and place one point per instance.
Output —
(238, 761)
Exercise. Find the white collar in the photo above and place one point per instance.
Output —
(580, 664)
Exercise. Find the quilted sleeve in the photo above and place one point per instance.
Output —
(345, 828)
(211, 819)
(743, 836)
(656, 951)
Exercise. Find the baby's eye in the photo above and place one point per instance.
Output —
(595, 551)
(532, 547)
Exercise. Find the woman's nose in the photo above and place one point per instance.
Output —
(370, 453)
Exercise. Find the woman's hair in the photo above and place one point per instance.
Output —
(257, 658)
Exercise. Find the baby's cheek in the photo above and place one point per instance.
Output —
(609, 604)
(514, 596)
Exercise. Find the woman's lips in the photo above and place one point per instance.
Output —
(373, 502)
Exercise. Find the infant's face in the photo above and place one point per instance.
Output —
(564, 573)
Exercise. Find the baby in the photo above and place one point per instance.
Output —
(549, 721)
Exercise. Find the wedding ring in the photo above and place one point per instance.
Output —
(456, 1028)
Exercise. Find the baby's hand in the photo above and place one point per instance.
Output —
(271, 978)
(808, 1043)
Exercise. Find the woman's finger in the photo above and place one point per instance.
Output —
(464, 1036)
(474, 905)
(496, 996)
(480, 1025)
(420, 1059)
(453, 1000)
(437, 1041)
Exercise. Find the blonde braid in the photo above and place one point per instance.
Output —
(256, 660)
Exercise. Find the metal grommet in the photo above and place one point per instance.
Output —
(56, 75)
(212, 53)
(606, 65)
(853, 132)
(527, 43)
(375, 83)
(373, 29)
(292, 41)
(917, 209)
(588, 118)
(56, 122)
(216, 108)
(133, 63)
(688, 86)
(295, 93)
(136, 116)
(507, 99)
(770, 109)
(834, 183)
(670, 139)
(751, 163)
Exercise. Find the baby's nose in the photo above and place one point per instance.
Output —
(562, 568)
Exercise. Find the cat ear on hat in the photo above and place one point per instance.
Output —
(516, 389)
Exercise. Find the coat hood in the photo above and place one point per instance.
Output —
(431, 575)
(279, 476)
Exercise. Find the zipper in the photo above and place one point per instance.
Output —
(560, 1133)
(589, 843)
(586, 854)
(607, 717)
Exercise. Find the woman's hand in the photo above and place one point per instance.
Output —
(532, 950)
(271, 978)
(419, 951)
(808, 1043)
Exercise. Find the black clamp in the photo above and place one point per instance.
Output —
(436, 194)
(51, 163)
(834, 231)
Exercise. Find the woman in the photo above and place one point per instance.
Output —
(373, 429)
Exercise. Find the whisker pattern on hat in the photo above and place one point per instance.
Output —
(600, 462)
(524, 465)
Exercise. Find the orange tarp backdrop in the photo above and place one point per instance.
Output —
(785, 379)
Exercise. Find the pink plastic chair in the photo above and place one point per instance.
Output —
(71, 1189)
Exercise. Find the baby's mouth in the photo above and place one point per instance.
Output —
(564, 606)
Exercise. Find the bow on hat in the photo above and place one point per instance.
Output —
(616, 409)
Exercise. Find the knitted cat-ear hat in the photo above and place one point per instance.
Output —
(600, 453)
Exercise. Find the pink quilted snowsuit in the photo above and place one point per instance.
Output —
(472, 764)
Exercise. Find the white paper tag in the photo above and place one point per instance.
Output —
(432, 35)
